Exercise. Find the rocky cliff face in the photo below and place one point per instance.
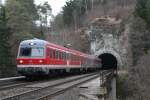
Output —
(110, 35)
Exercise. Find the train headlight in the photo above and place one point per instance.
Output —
(40, 61)
(32, 43)
(21, 61)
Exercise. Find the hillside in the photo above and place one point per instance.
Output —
(135, 34)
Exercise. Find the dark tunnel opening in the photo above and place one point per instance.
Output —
(109, 61)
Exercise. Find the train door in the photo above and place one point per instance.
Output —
(68, 59)
(52, 55)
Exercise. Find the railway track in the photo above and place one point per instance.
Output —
(11, 78)
(11, 82)
(5, 81)
(46, 90)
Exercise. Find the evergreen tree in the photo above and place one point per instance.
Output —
(21, 17)
(44, 11)
(143, 10)
(74, 9)
(5, 53)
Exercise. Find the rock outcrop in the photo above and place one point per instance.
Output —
(109, 35)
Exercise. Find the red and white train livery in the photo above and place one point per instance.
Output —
(39, 57)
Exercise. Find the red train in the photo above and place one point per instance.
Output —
(39, 57)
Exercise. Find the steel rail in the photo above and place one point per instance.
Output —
(27, 93)
(10, 82)
(11, 78)
(58, 92)
(62, 90)
(12, 86)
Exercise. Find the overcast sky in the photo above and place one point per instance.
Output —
(56, 5)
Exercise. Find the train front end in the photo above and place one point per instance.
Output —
(31, 58)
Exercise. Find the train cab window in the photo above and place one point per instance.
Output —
(25, 52)
(37, 52)
(31, 52)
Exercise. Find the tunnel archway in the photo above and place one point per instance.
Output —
(108, 61)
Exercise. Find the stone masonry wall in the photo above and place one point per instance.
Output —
(110, 35)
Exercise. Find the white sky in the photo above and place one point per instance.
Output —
(2, 1)
(56, 5)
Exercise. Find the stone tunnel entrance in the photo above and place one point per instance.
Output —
(108, 60)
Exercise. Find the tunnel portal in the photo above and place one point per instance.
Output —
(108, 60)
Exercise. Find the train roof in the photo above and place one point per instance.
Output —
(69, 50)
(40, 42)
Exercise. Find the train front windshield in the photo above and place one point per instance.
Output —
(31, 52)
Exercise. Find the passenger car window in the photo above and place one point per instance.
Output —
(64, 55)
(54, 54)
(51, 53)
(57, 55)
